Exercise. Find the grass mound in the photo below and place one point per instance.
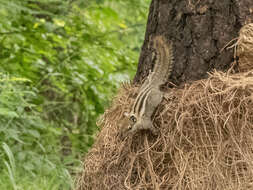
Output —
(205, 139)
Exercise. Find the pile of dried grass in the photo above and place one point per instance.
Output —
(205, 140)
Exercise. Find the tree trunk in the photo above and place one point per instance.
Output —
(199, 29)
(184, 155)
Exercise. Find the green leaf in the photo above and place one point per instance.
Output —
(6, 112)
(34, 133)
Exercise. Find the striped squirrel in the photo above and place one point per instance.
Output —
(150, 95)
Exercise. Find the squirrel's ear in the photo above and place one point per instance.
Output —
(126, 114)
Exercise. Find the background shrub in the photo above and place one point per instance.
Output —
(60, 64)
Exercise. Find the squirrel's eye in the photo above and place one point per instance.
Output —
(132, 119)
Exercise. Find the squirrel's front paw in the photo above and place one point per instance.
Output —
(154, 130)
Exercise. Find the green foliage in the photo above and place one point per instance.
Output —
(60, 64)
(27, 142)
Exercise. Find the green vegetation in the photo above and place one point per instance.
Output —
(60, 64)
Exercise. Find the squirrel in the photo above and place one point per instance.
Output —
(150, 95)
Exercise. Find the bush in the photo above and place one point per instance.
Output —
(61, 62)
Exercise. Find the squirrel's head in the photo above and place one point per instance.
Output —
(132, 120)
(128, 123)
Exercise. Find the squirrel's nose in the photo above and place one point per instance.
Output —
(129, 127)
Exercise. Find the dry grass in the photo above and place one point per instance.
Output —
(205, 140)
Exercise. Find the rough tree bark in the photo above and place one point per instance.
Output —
(199, 29)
